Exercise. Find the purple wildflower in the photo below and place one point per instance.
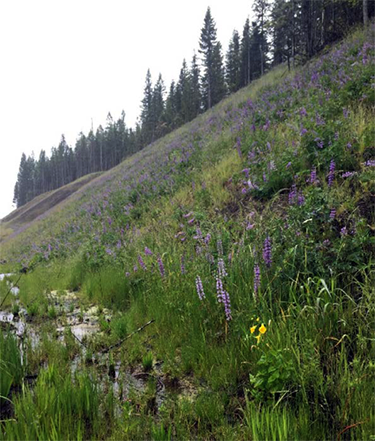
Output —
(207, 239)
(344, 231)
(347, 174)
(227, 306)
(301, 199)
(219, 290)
(289, 164)
(191, 221)
(332, 214)
(370, 163)
(141, 263)
(199, 287)
(161, 266)
(221, 269)
(246, 171)
(256, 280)
(148, 252)
(267, 252)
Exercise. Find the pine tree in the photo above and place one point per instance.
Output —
(147, 118)
(245, 55)
(196, 95)
(233, 63)
(157, 105)
(261, 9)
(207, 46)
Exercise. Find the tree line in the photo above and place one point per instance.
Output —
(282, 31)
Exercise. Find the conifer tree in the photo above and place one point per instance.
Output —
(147, 118)
(212, 82)
(233, 63)
(158, 107)
(245, 55)
(196, 96)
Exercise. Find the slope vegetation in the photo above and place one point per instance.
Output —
(20, 219)
(246, 239)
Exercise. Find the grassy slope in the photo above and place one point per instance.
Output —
(274, 184)
(20, 219)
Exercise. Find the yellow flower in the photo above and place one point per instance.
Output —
(262, 329)
(253, 328)
(258, 319)
(258, 337)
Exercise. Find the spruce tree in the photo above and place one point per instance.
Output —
(233, 63)
(196, 95)
(147, 119)
(245, 55)
(207, 44)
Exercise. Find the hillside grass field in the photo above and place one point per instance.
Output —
(235, 256)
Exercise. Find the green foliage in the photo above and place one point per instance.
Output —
(275, 374)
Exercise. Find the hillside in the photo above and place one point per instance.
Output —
(21, 218)
(231, 267)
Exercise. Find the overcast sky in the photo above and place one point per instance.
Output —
(66, 63)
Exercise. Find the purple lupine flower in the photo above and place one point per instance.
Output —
(256, 280)
(148, 252)
(302, 131)
(191, 221)
(332, 214)
(370, 163)
(161, 266)
(246, 171)
(347, 174)
(118, 244)
(331, 175)
(289, 164)
(198, 234)
(267, 252)
(313, 176)
(141, 263)
(127, 274)
(221, 269)
(199, 287)
(264, 177)
(301, 199)
(219, 246)
(219, 289)
(135, 268)
(348, 145)
(344, 231)
(227, 306)
(249, 226)
(187, 215)
(207, 239)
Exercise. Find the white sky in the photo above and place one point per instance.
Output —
(67, 62)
